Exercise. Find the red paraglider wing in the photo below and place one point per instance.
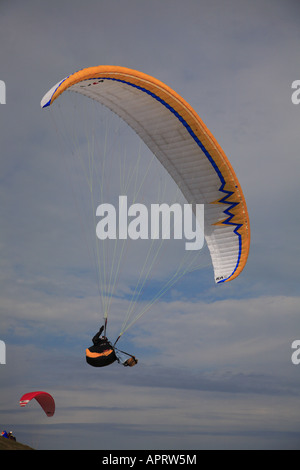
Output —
(43, 398)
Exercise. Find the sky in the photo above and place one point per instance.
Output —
(215, 364)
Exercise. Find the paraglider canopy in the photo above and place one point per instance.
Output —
(43, 398)
(179, 139)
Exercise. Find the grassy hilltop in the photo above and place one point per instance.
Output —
(8, 444)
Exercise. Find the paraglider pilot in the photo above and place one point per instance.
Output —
(102, 353)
